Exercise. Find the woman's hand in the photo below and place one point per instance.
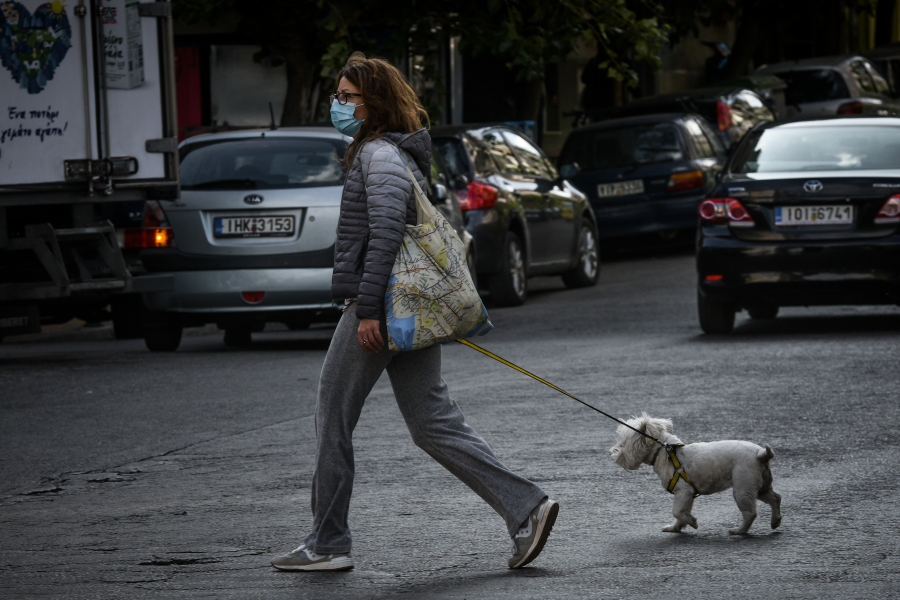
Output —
(369, 334)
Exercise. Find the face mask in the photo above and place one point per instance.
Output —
(343, 119)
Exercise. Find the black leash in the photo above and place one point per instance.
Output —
(558, 389)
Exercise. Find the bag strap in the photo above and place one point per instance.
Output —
(424, 209)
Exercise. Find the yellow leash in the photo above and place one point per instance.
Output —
(558, 389)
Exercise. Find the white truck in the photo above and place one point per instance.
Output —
(87, 126)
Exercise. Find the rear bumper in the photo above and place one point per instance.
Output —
(791, 274)
(220, 291)
(646, 215)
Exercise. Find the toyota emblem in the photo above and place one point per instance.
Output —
(256, 198)
(812, 186)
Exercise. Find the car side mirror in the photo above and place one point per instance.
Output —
(459, 182)
(440, 192)
(569, 170)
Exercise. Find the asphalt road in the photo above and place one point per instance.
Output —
(126, 474)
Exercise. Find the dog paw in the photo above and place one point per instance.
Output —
(737, 531)
(693, 523)
(776, 521)
(672, 529)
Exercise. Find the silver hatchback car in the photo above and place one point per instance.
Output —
(251, 240)
(252, 235)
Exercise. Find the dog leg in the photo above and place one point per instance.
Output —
(773, 499)
(684, 501)
(747, 504)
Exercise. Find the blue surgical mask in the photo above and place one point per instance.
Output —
(343, 119)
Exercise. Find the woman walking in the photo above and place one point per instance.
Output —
(376, 106)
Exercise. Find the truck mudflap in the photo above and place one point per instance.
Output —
(78, 260)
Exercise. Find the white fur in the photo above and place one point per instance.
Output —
(712, 467)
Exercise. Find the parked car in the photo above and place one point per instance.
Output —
(643, 174)
(887, 60)
(806, 213)
(525, 219)
(835, 85)
(251, 240)
(730, 111)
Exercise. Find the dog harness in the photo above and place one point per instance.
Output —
(680, 473)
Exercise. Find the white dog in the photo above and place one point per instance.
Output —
(711, 467)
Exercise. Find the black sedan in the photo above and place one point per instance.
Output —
(524, 219)
(644, 174)
(806, 213)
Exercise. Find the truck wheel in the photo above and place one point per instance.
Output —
(715, 317)
(128, 316)
(508, 286)
(587, 269)
(238, 337)
(162, 333)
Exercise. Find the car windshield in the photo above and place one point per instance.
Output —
(262, 163)
(836, 148)
(813, 86)
(623, 147)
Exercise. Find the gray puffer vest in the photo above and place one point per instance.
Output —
(376, 205)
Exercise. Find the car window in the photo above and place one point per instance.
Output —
(701, 143)
(714, 141)
(614, 147)
(814, 85)
(501, 153)
(861, 76)
(531, 158)
(881, 84)
(844, 148)
(452, 154)
(262, 163)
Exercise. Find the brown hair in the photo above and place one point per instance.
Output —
(393, 105)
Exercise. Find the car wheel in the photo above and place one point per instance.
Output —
(715, 317)
(162, 332)
(238, 337)
(587, 271)
(508, 286)
(764, 311)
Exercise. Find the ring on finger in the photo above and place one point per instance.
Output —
(365, 341)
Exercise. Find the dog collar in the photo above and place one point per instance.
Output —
(679, 470)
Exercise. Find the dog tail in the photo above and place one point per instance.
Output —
(766, 455)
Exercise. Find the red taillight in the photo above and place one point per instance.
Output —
(890, 212)
(714, 278)
(480, 195)
(850, 108)
(149, 237)
(691, 180)
(723, 112)
(725, 210)
(253, 297)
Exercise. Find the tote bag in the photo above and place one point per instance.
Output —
(430, 296)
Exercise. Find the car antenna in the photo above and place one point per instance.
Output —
(272, 116)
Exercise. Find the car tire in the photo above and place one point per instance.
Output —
(238, 337)
(715, 317)
(162, 332)
(765, 311)
(587, 271)
(508, 286)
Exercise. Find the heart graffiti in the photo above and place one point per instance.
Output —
(32, 45)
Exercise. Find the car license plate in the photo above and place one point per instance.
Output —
(244, 227)
(813, 215)
(620, 188)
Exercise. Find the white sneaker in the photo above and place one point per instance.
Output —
(530, 540)
(304, 559)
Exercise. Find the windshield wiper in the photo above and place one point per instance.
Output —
(239, 184)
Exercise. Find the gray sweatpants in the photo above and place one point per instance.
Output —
(435, 422)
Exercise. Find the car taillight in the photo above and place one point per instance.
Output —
(725, 210)
(253, 297)
(723, 114)
(148, 237)
(155, 232)
(685, 181)
(890, 212)
(480, 195)
(850, 108)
